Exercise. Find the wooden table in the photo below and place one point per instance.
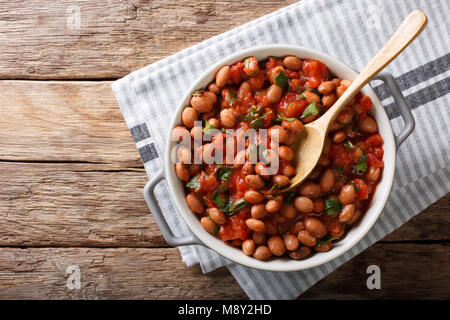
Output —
(71, 176)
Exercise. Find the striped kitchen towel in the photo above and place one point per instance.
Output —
(353, 32)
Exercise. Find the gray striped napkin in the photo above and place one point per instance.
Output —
(352, 31)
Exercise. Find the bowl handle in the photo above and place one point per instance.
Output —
(155, 209)
(402, 105)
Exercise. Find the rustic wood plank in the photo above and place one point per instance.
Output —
(74, 205)
(40, 38)
(130, 273)
(63, 121)
(100, 205)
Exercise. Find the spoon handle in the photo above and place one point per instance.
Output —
(407, 32)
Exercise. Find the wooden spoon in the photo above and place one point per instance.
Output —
(309, 144)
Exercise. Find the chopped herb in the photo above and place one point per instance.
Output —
(258, 122)
(354, 185)
(233, 98)
(222, 188)
(253, 113)
(333, 206)
(194, 183)
(301, 96)
(253, 149)
(218, 199)
(327, 238)
(361, 166)
(208, 127)
(316, 91)
(312, 108)
(229, 208)
(281, 80)
(280, 117)
(223, 173)
(348, 145)
(216, 229)
(347, 180)
(274, 188)
(197, 93)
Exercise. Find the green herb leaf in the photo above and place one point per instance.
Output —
(312, 108)
(348, 145)
(361, 166)
(223, 173)
(301, 96)
(333, 206)
(258, 122)
(218, 199)
(194, 183)
(280, 118)
(274, 188)
(233, 98)
(327, 238)
(236, 205)
(281, 80)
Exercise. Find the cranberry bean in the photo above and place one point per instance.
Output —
(188, 116)
(355, 217)
(339, 137)
(310, 189)
(180, 133)
(273, 206)
(373, 174)
(327, 181)
(324, 247)
(295, 126)
(274, 93)
(286, 153)
(300, 253)
(253, 196)
(304, 204)
(340, 90)
(182, 172)
(260, 238)
(209, 225)
(311, 97)
(197, 133)
(347, 194)
(326, 87)
(245, 90)
(288, 170)
(306, 239)
(356, 154)
(288, 211)
(216, 215)
(346, 83)
(184, 155)
(201, 104)
(329, 99)
(297, 227)
(292, 63)
(314, 175)
(281, 180)
(368, 124)
(195, 169)
(315, 227)
(213, 88)
(255, 225)
(210, 95)
(222, 76)
(227, 118)
(255, 181)
(291, 242)
(195, 204)
(336, 81)
(347, 213)
(276, 245)
(248, 247)
(277, 129)
(258, 211)
(262, 253)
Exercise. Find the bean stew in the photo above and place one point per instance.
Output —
(236, 199)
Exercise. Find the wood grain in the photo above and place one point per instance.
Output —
(100, 205)
(40, 40)
(132, 273)
(63, 121)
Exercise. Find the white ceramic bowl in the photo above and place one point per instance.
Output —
(285, 264)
